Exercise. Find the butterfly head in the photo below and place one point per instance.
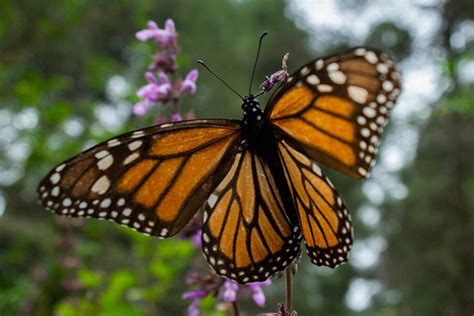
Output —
(253, 115)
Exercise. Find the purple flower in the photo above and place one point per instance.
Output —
(196, 239)
(176, 117)
(164, 61)
(148, 33)
(153, 92)
(189, 83)
(278, 76)
(165, 37)
(194, 296)
(257, 293)
(229, 291)
(165, 87)
(193, 308)
(140, 108)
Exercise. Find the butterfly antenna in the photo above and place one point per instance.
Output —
(256, 60)
(215, 75)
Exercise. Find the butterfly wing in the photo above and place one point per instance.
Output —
(323, 218)
(246, 234)
(334, 108)
(152, 180)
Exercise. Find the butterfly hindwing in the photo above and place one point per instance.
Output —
(246, 233)
(323, 218)
(335, 108)
(152, 180)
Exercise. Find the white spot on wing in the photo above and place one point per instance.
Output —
(105, 203)
(131, 158)
(304, 71)
(105, 162)
(362, 171)
(55, 191)
(381, 98)
(324, 88)
(312, 79)
(337, 77)
(371, 57)
(60, 167)
(382, 68)
(358, 94)
(135, 145)
(360, 51)
(127, 211)
(365, 132)
(319, 64)
(55, 178)
(369, 112)
(137, 134)
(101, 154)
(317, 170)
(113, 143)
(212, 200)
(101, 185)
(332, 67)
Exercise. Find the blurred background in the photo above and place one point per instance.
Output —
(69, 71)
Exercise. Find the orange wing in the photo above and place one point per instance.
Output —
(335, 108)
(152, 180)
(323, 217)
(246, 234)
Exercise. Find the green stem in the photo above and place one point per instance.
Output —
(288, 288)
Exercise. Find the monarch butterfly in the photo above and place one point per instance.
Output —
(258, 179)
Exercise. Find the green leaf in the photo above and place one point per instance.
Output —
(89, 278)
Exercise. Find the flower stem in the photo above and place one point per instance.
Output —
(288, 288)
(235, 309)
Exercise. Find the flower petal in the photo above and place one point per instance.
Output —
(176, 117)
(151, 77)
(144, 35)
(169, 26)
(152, 25)
(193, 308)
(140, 108)
(258, 296)
(163, 78)
(229, 291)
(191, 295)
(192, 75)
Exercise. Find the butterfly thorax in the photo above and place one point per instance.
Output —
(252, 120)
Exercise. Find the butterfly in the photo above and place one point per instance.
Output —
(258, 179)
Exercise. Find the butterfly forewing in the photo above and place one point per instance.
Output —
(323, 218)
(336, 107)
(246, 234)
(152, 180)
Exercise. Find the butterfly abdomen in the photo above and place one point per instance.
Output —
(262, 142)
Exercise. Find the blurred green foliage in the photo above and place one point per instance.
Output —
(68, 66)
